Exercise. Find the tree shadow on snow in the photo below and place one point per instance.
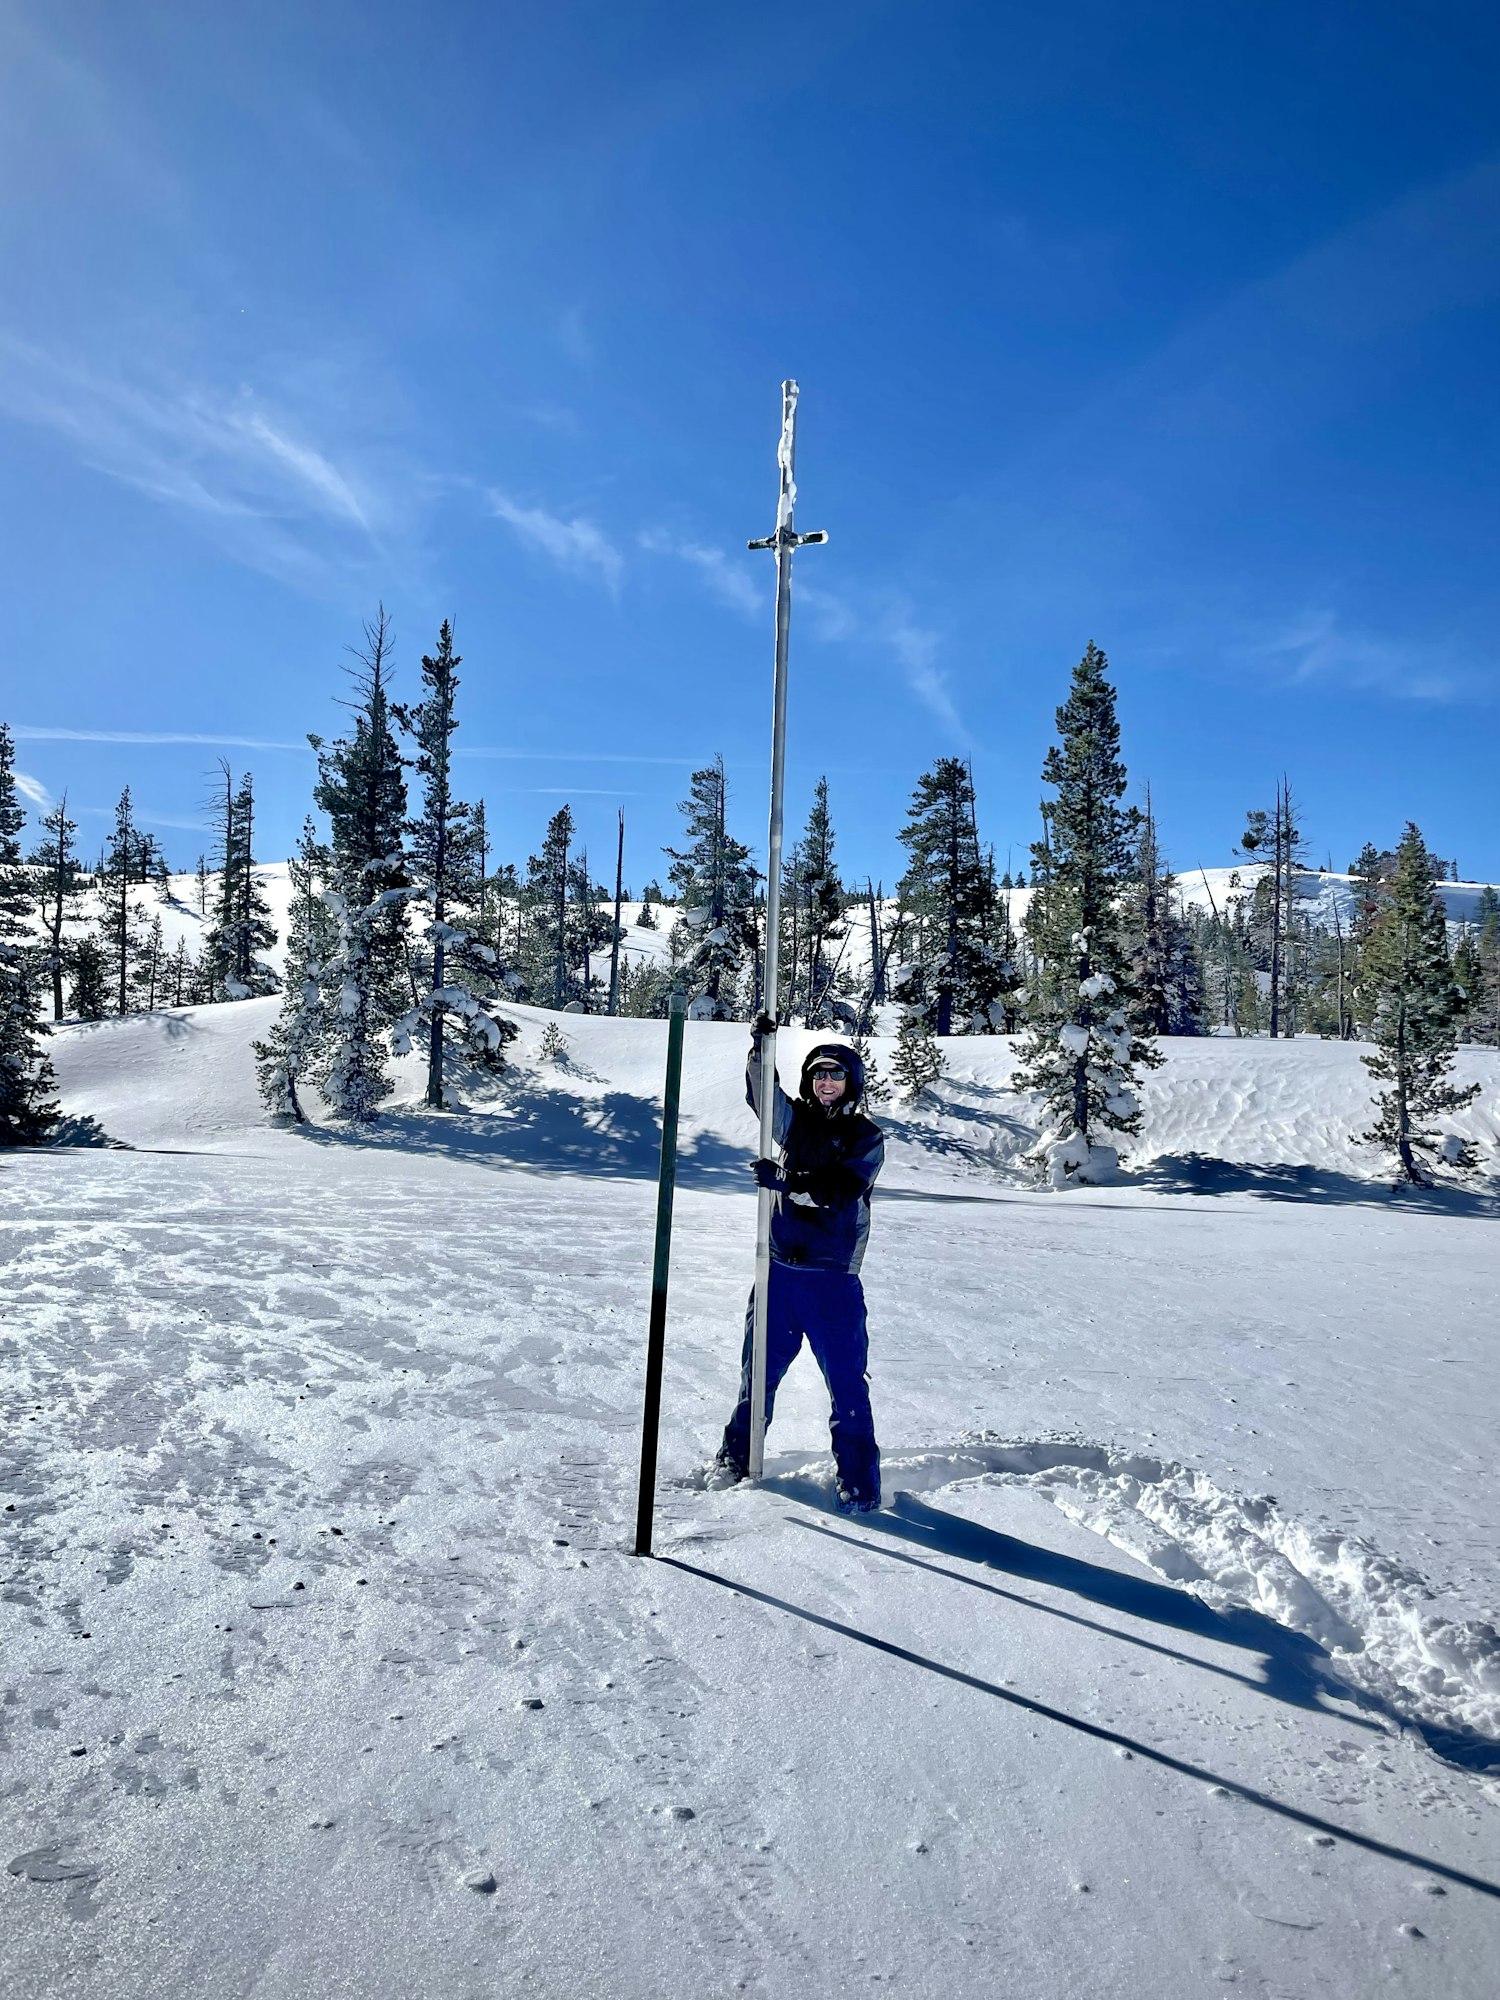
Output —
(614, 1136)
(1290, 1667)
(1202, 1174)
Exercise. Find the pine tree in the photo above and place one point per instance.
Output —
(553, 1047)
(1468, 980)
(151, 967)
(55, 860)
(1277, 926)
(877, 1090)
(242, 925)
(965, 959)
(716, 888)
(27, 1108)
(1485, 1008)
(181, 974)
(548, 958)
(89, 994)
(918, 1061)
(1416, 1015)
(1080, 1055)
(122, 919)
(821, 894)
(362, 790)
(1164, 957)
(452, 1017)
(299, 1038)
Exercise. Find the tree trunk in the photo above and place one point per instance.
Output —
(614, 950)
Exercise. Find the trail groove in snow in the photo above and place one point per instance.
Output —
(1371, 1613)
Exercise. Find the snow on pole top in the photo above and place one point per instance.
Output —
(786, 453)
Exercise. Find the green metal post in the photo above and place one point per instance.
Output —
(656, 1338)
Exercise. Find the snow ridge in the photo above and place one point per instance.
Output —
(1369, 1612)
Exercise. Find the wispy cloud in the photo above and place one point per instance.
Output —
(1317, 647)
(144, 818)
(730, 581)
(33, 789)
(889, 624)
(229, 458)
(575, 545)
(23, 733)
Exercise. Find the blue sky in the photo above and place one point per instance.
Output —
(1170, 327)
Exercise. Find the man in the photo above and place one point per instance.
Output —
(830, 1155)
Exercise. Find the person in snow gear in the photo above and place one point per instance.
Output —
(830, 1154)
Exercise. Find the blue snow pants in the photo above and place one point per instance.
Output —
(827, 1308)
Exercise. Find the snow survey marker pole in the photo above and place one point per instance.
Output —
(785, 541)
(656, 1340)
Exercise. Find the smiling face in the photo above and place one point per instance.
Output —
(828, 1086)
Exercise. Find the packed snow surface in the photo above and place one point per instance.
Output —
(1169, 1665)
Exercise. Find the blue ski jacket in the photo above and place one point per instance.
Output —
(830, 1159)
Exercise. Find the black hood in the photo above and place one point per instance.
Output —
(849, 1061)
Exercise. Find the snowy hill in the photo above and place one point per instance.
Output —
(1169, 1663)
(1290, 1105)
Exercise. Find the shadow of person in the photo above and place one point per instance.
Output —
(1288, 1666)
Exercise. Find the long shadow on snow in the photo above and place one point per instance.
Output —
(1202, 1174)
(614, 1136)
(1046, 1713)
(1291, 1668)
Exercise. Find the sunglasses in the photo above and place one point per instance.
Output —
(829, 1071)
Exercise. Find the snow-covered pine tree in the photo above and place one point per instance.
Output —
(950, 888)
(1080, 1055)
(1416, 1015)
(1164, 956)
(453, 1018)
(27, 1108)
(716, 889)
(297, 1043)
(55, 862)
(122, 919)
(917, 1061)
(362, 789)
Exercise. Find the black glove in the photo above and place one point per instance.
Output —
(826, 1187)
(769, 1175)
(762, 1025)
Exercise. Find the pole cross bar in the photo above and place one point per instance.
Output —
(785, 541)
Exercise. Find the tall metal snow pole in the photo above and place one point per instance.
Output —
(785, 541)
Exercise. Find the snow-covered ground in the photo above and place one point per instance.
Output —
(327, 1670)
